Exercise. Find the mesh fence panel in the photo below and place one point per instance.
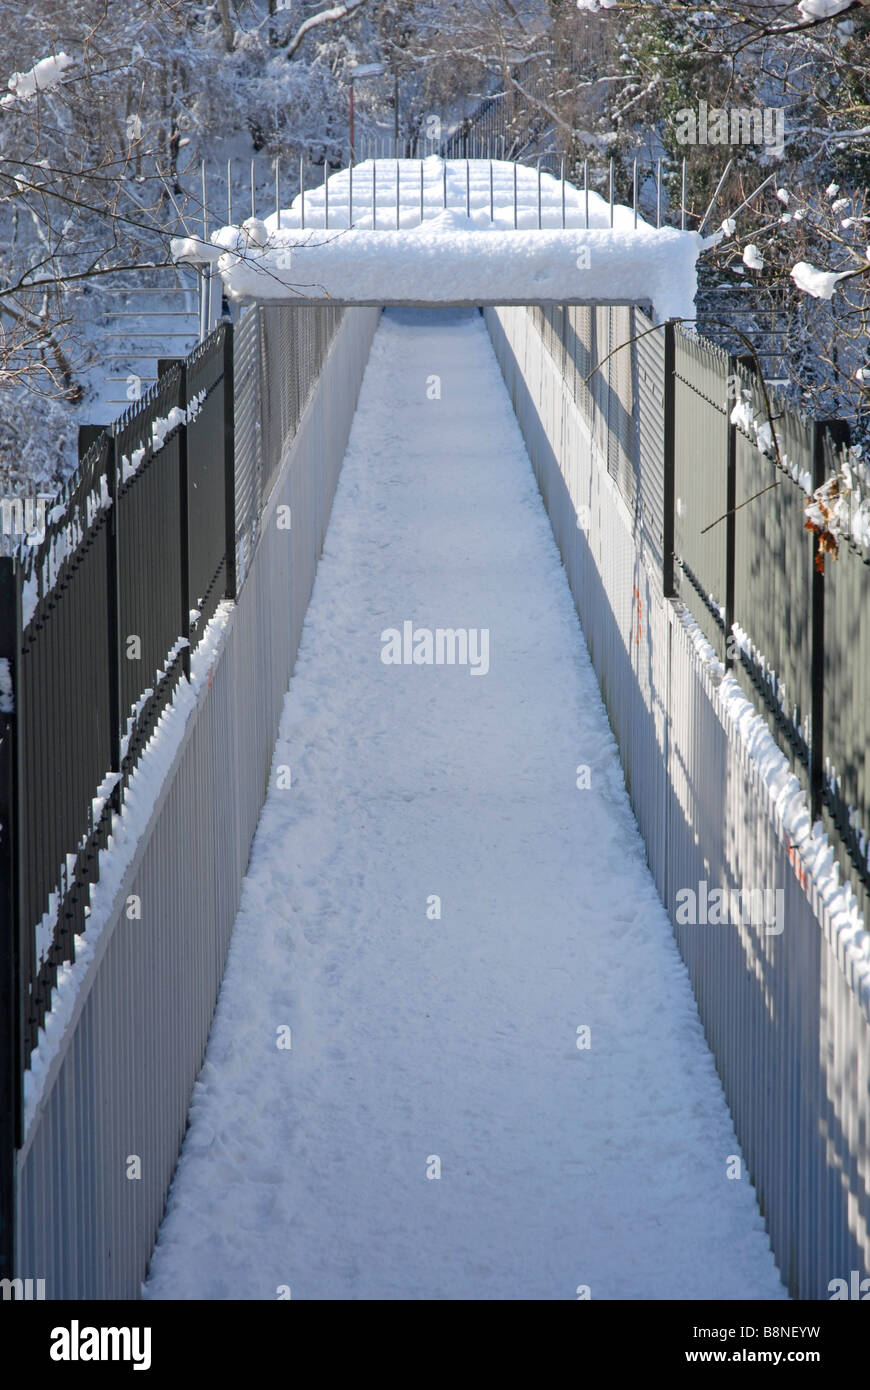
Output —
(279, 353)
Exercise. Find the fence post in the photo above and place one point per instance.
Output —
(10, 984)
(669, 461)
(184, 520)
(230, 460)
(730, 516)
(817, 676)
(113, 623)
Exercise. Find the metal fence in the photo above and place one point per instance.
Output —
(508, 124)
(751, 575)
(722, 520)
(98, 620)
(279, 351)
(786, 1014)
(120, 1079)
(96, 627)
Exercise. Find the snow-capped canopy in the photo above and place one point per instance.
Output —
(436, 231)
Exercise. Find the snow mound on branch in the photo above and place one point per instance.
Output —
(819, 283)
(752, 257)
(256, 231)
(191, 249)
(44, 75)
(822, 9)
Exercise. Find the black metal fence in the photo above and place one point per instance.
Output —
(98, 621)
(721, 511)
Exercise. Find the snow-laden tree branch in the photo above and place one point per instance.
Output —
(315, 21)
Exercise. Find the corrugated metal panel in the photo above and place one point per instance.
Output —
(846, 705)
(701, 483)
(650, 356)
(600, 384)
(246, 381)
(622, 442)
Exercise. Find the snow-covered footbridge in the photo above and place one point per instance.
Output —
(404, 232)
(448, 925)
(455, 1054)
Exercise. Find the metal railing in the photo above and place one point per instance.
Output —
(755, 579)
(96, 624)
(723, 521)
(98, 620)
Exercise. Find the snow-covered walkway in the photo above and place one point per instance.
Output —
(420, 1039)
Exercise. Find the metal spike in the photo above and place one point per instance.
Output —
(725, 173)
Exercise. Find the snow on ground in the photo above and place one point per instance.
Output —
(415, 1037)
(434, 231)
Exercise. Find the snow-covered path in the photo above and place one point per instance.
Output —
(416, 1037)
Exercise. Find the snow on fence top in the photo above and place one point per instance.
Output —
(434, 231)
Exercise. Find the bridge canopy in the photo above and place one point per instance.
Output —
(434, 231)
